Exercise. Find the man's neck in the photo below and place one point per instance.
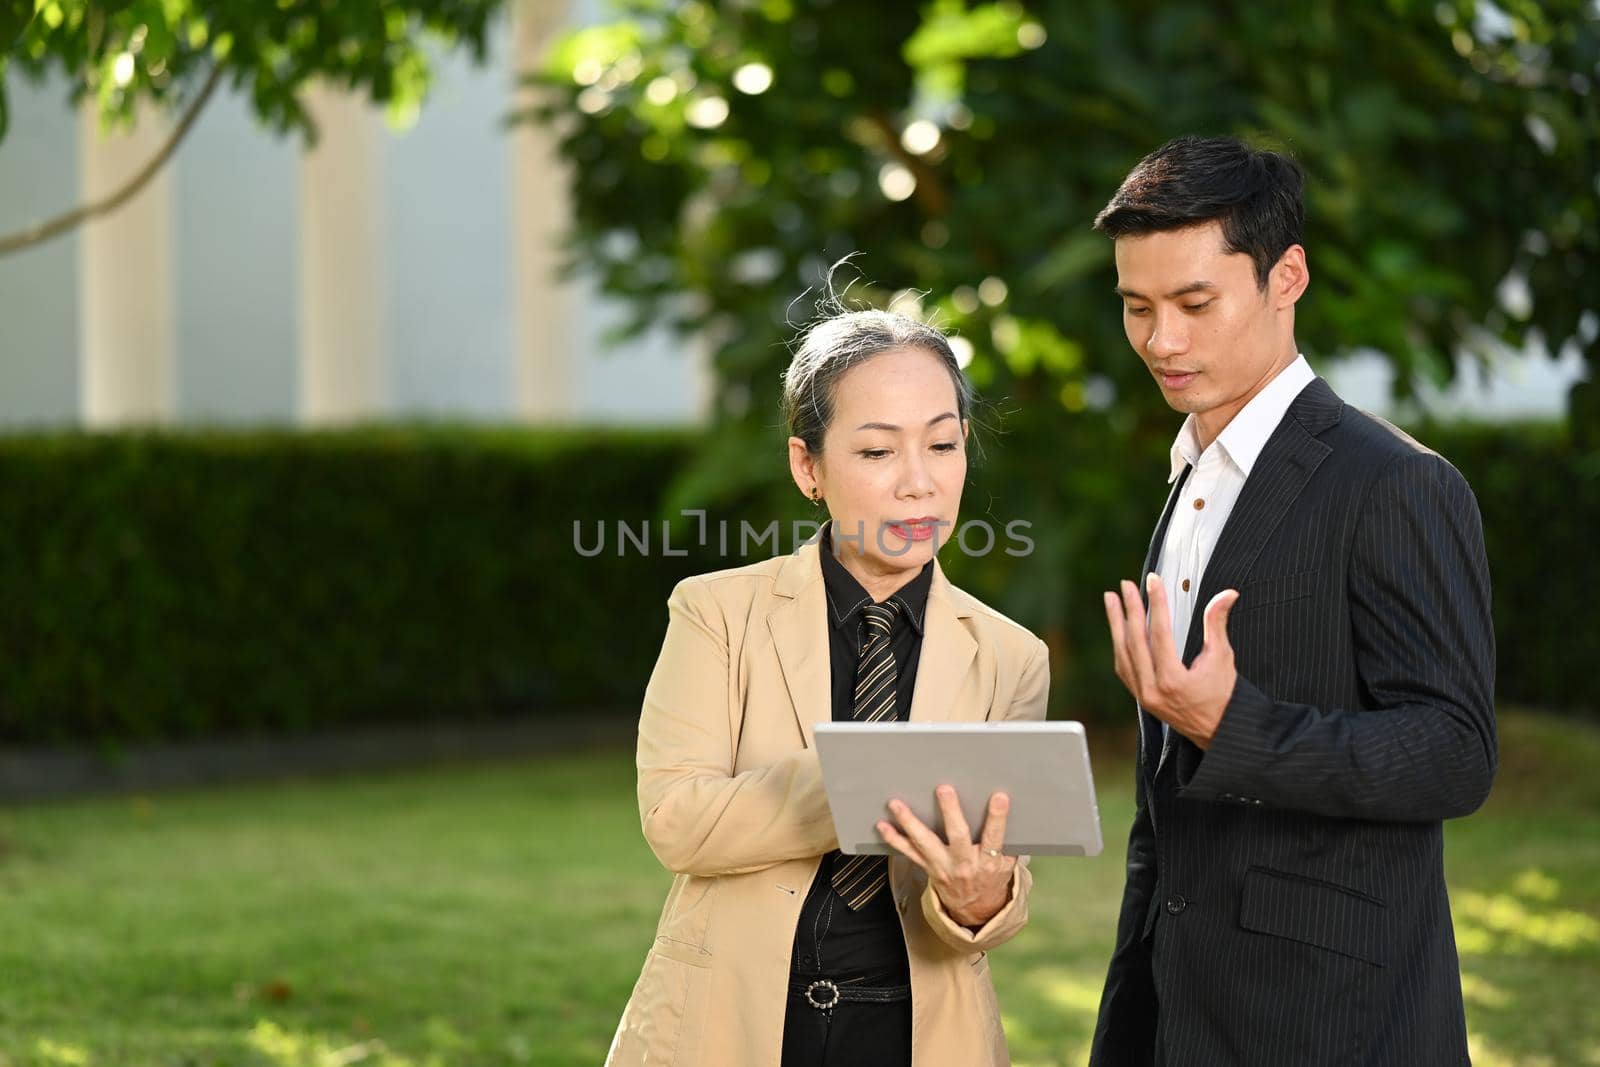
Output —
(1208, 425)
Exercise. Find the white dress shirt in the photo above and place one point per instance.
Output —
(1207, 499)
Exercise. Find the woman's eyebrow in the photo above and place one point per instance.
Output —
(892, 428)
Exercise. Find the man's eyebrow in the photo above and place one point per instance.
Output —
(1192, 287)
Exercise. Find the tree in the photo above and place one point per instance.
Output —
(724, 152)
(176, 52)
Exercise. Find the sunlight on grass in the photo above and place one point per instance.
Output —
(287, 1049)
(1066, 991)
(1536, 885)
(1478, 990)
(1486, 1054)
(1500, 922)
(61, 1054)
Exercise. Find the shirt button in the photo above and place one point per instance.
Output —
(1176, 904)
(1198, 503)
(1186, 585)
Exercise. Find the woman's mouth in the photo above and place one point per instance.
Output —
(922, 528)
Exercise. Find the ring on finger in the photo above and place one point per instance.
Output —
(991, 852)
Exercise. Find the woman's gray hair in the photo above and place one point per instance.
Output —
(832, 345)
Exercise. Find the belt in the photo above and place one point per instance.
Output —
(824, 994)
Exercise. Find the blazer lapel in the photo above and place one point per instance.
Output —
(947, 653)
(1152, 739)
(1292, 455)
(1153, 553)
(799, 628)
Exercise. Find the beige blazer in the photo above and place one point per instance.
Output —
(731, 798)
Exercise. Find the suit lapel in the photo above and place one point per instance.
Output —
(1291, 456)
(1152, 554)
(947, 653)
(1151, 737)
(799, 629)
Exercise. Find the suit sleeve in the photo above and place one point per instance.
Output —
(1122, 1035)
(1424, 747)
(1028, 704)
(698, 816)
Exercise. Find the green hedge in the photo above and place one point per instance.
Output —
(1540, 497)
(190, 584)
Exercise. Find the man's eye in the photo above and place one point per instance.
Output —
(1138, 311)
(1197, 307)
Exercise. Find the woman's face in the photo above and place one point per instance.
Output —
(893, 463)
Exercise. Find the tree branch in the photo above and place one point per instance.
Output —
(44, 231)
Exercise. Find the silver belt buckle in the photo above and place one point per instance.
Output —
(826, 987)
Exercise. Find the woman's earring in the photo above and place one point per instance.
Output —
(816, 497)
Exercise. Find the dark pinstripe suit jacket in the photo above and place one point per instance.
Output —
(1285, 901)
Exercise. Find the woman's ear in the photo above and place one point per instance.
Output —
(803, 467)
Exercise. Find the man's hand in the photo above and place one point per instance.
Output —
(973, 879)
(1189, 699)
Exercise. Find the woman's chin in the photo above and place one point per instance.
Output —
(899, 550)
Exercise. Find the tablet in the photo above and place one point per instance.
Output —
(1044, 766)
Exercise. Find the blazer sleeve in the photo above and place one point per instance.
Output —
(1028, 704)
(1425, 748)
(698, 816)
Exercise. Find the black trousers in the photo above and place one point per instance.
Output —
(848, 1035)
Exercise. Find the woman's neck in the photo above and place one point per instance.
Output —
(879, 584)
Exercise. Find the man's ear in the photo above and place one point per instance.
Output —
(1289, 277)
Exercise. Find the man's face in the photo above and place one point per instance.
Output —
(1193, 312)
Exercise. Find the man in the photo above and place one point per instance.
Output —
(1315, 679)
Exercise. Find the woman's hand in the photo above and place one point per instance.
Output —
(972, 879)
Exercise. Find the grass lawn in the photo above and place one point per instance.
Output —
(488, 916)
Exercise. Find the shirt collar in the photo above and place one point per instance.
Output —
(846, 597)
(1248, 432)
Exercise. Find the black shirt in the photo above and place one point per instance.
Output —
(831, 940)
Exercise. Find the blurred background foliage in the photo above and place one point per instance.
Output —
(122, 52)
(725, 153)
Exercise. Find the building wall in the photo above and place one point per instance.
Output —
(38, 288)
(235, 262)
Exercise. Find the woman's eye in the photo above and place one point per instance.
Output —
(945, 446)
(874, 453)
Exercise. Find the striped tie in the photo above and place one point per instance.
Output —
(857, 879)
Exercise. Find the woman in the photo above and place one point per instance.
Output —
(773, 948)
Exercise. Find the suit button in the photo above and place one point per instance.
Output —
(1176, 904)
